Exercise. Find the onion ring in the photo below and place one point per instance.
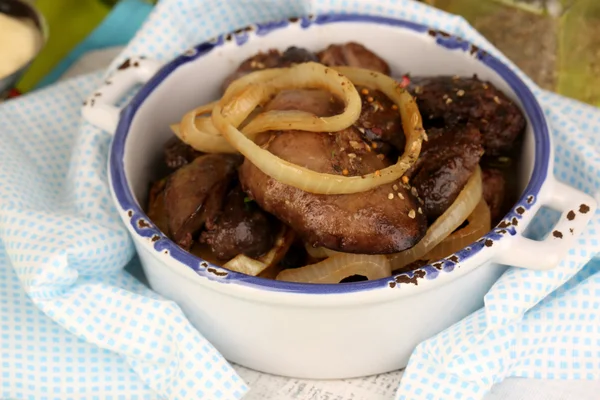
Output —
(316, 76)
(312, 181)
(200, 133)
(412, 122)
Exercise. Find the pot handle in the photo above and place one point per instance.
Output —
(99, 108)
(577, 209)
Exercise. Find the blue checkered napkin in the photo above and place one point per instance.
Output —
(534, 324)
(64, 247)
(63, 239)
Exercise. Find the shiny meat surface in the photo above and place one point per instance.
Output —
(354, 55)
(271, 59)
(452, 100)
(383, 220)
(194, 194)
(494, 186)
(156, 206)
(446, 162)
(297, 55)
(380, 120)
(318, 102)
(178, 153)
(241, 228)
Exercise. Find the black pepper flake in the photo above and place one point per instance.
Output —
(489, 243)
(572, 231)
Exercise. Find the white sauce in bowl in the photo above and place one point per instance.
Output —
(19, 42)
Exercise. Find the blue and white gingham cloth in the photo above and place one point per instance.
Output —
(73, 324)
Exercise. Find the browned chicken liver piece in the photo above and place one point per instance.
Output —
(318, 102)
(241, 228)
(156, 206)
(446, 162)
(271, 59)
(494, 187)
(382, 220)
(354, 55)
(194, 194)
(177, 153)
(380, 120)
(453, 100)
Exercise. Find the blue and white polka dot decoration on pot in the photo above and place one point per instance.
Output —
(70, 317)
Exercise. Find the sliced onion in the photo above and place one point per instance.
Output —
(447, 223)
(479, 224)
(321, 183)
(335, 269)
(249, 266)
(245, 265)
(322, 252)
(315, 76)
(200, 133)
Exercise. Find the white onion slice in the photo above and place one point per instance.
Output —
(479, 224)
(200, 133)
(337, 268)
(311, 75)
(250, 266)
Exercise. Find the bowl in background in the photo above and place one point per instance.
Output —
(26, 12)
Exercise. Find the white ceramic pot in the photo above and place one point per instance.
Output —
(323, 331)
